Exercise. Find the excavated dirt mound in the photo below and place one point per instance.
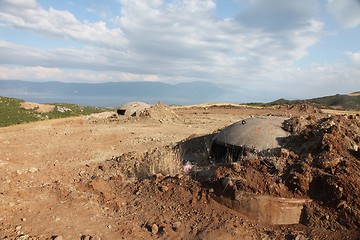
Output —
(159, 113)
(303, 108)
(177, 207)
(327, 167)
(320, 162)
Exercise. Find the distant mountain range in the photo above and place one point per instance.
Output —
(112, 93)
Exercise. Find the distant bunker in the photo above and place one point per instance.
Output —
(132, 108)
(258, 135)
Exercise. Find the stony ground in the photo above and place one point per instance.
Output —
(91, 177)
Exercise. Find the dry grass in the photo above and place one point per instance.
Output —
(166, 161)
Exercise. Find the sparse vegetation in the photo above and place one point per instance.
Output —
(12, 113)
(165, 161)
(63, 110)
(338, 101)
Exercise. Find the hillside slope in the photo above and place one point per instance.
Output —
(15, 111)
(339, 101)
(350, 101)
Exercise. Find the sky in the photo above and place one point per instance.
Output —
(260, 49)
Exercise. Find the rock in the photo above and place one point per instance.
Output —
(164, 188)
(179, 176)
(284, 153)
(162, 230)
(24, 237)
(154, 229)
(18, 228)
(342, 204)
(86, 237)
(176, 225)
(236, 167)
(33, 169)
(330, 163)
(227, 182)
(158, 177)
(57, 238)
(266, 238)
(356, 148)
(300, 237)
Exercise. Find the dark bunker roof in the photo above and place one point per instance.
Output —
(257, 133)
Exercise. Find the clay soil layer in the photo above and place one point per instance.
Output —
(81, 178)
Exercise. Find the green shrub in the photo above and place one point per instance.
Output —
(11, 112)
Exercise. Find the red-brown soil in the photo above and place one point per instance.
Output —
(90, 177)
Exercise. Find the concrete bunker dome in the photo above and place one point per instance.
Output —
(260, 135)
(132, 108)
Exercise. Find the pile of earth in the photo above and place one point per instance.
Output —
(158, 113)
(326, 167)
(320, 162)
(101, 117)
(299, 109)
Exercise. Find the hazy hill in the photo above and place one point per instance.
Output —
(339, 101)
(349, 101)
(355, 94)
(112, 93)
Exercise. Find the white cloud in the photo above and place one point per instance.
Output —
(39, 73)
(302, 83)
(186, 38)
(172, 41)
(347, 12)
(177, 38)
(354, 57)
(325, 79)
(29, 15)
(28, 73)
